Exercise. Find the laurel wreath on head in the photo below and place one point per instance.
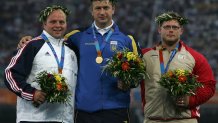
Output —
(113, 1)
(48, 10)
(171, 16)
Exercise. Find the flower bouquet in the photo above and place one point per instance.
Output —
(127, 67)
(180, 82)
(54, 86)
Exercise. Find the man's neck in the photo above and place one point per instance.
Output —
(102, 26)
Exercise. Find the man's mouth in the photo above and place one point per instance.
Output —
(57, 31)
(170, 36)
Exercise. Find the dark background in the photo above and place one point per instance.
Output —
(20, 17)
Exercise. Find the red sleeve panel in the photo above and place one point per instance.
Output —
(205, 75)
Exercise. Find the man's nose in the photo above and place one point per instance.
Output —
(102, 11)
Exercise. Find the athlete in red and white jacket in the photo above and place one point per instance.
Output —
(158, 105)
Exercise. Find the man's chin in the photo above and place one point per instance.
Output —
(171, 42)
(102, 22)
(58, 36)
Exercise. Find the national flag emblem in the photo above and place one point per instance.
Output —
(47, 54)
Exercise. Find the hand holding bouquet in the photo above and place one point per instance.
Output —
(54, 86)
(180, 82)
(127, 67)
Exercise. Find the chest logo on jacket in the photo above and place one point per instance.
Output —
(47, 54)
(90, 43)
(181, 56)
(113, 45)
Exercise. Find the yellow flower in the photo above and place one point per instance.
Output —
(57, 77)
(130, 56)
(180, 72)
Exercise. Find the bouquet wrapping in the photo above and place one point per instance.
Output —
(179, 82)
(127, 67)
(55, 87)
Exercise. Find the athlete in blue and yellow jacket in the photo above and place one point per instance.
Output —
(98, 99)
(97, 91)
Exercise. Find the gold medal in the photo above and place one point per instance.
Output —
(99, 60)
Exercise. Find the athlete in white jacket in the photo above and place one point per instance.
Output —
(37, 56)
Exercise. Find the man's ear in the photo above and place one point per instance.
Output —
(182, 30)
(113, 9)
(43, 24)
(159, 29)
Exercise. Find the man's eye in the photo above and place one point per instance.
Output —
(53, 22)
(106, 8)
(175, 27)
(62, 22)
(168, 27)
(98, 8)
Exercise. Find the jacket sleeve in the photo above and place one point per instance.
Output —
(18, 70)
(135, 47)
(72, 41)
(205, 75)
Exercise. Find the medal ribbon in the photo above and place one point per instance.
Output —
(97, 46)
(61, 63)
(164, 70)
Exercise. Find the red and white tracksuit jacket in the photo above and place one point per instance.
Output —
(159, 105)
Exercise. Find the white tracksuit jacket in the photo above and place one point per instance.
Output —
(20, 74)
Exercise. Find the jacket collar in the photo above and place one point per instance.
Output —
(104, 30)
(114, 26)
